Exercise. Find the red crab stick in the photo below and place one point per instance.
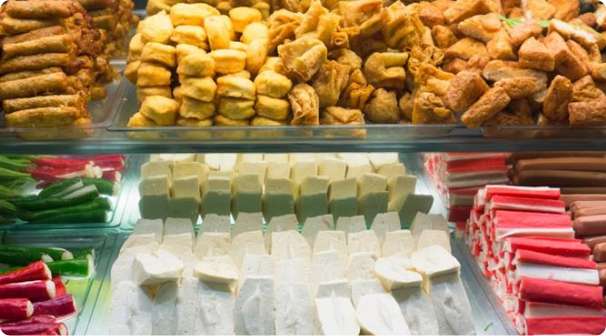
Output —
(557, 246)
(15, 309)
(554, 267)
(500, 202)
(569, 325)
(34, 271)
(550, 291)
(532, 192)
(33, 319)
(35, 291)
(35, 328)
(59, 287)
(61, 307)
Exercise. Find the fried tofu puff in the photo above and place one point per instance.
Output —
(162, 110)
(272, 84)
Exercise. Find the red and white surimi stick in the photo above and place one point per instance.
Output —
(480, 165)
(39, 290)
(59, 286)
(15, 309)
(33, 319)
(558, 292)
(553, 267)
(532, 192)
(565, 325)
(539, 309)
(500, 202)
(34, 271)
(62, 307)
(35, 328)
(565, 247)
(518, 223)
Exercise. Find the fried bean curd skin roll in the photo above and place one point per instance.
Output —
(17, 104)
(40, 9)
(35, 34)
(17, 26)
(50, 44)
(26, 74)
(96, 4)
(36, 62)
(32, 86)
(43, 117)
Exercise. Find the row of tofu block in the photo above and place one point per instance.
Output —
(167, 281)
(523, 240)
(307, 185)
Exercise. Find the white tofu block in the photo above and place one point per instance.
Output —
(185, 169)
(370, 183)
(340, 288)
(156, 267)
(247, 222)
(413, 205)
(392, 170)
(348, 156)
(200, 157)
(399, 242)
(254, 309)
(185, 200)
(122, 269)
(217, 269)
(186, 187)
(213, 161)
(327, 266)
(336, 316)
(356, 167)
(385, 222)
(379, 160)
(221, 173)
(216, 309)
(155, 168)
(331, 240)
(164, 311)
(155, 193)
(424, 221)
(363, 241)
(256, 265)
(178, 237)
(288, 245)
(302, 157)
(434, 237)
(161, 157)
(212, 244)
(251, 242)
(279, 198)
(188, 306)
(351, 224)
(379, 314)
(372, 204)
(434, 261)
(362, 287)
(276, 157)
(342, 198)
(399, 188)
(283, 223)
(147, 231)
(313, 225)
(294, 310)
(257, 168)
(451, 306)
(361, 266)
(334, 169)
(278, 170)
(130, 310)
(227, 162)
(417, 310)
(313, 197)
(249, 157)
(216, 223)
(397, 272)
(216, 196)
(302, 169)
(292, 271)
(246, 194)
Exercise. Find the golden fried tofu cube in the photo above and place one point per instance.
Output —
(254, 31)
(465, 49)
(262, 121)
(221, 120)
(272, 84)
(534, 55)
(272, 108)
(236, 87)
(162, 110)
(236, 108)
(499, 47)
(228, 61)
(156, 28)
(192, 35)
(203, 89)
(187, 49)
(130, 72)
(144, 92)
(150, 74)
(219, 31)
(155, 52)
(491, 103)
(197, 65)
(196, 109)
(464, 89)
(187, 122)
(555, 103)
(242, 16)
(191, 14)
(139, 120)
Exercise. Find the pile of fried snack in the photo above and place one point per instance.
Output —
(481, 62)
(52, 62)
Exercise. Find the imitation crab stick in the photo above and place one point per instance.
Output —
(61, 307)
(34, 271)
(35, 328)
(565, 325)
(15, 309)
(38, 290)
(557, 246)
(550, 291)
(59, 286)
(500, 202)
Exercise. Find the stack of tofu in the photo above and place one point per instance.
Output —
(459, 176)
(233, 279)
(523, 240)
(308, 185)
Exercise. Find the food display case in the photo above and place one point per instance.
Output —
(302, 167)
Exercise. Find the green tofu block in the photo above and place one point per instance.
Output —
(184, 208)
(217, 203)
(246, 202)
(311, 206)
(372, 204)
(412, 205)
(345, 207)
(153, 207)
(278, 205)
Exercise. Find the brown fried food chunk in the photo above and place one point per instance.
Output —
(540, 9)
(465, 88)
(303, 57)
(282, 24)
(517, 113)
(43, 117)
(481, 27)
(585, 89)
(497, 70)
(32, 86)
(335, 115)
(386, 70)
(443, 36)
(346, 57)
(466, 48)
(17, 104)
(305, 105)
(522, 32)
(559, 94)
(357, 92)
(566, 62)
(534, 55)
(310, 20)
(499, 47)
(584, 35)
(428, 108)
(430, 14)
(406, 105)
(588, 113)
(464, 9)
(402, 29)
(36, 62)
(362, 17)
(330, 81)
(455, 65)
(383, 107)
(491, 103)
(520, 87)
(40, 9)
(566, 9)
(598, 71)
